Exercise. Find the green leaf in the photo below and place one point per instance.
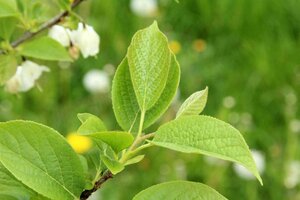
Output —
(8, 8)
(181, 190)
(117, 140)
(149, 60)
(45, 161)
(7, 27)
(90, 124)
(44, 48)
(134, 160)
(8, 67)
(113, 165)
(9, 185)
(194, 105)
(125, 105)
(208, 136)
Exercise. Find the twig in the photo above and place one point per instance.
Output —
(87, 193)
(55, 20)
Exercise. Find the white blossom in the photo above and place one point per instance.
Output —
(25, 77)
(259, 159)
(86, 39)
(60, 34)
(144, 8)
(96, 81)
(292, 178)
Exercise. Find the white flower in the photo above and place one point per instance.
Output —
(96, 81)
(293, 174)
(144, 8)
(60, 34)
(25, 77)
(259, 159)
(86, 39)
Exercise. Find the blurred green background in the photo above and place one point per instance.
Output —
(248, 54)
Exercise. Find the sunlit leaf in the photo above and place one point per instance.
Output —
(208, 136)
(45, 161)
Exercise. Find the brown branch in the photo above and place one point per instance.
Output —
(87, 193)
(55, 20)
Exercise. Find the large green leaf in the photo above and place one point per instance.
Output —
(44, 48)
(41, 158)
(125, 105)
(194, 105)
(8, 66)
(90, 124)
(149, 60)
(8, 8)
(208, 136)
(9, 185)
(117, 140)
(181, 190)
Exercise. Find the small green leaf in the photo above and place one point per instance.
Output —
(117, 140)
(181, 190)
(90, 124)
(208, 136)
(113, 165)
(149, 60)
(41, 159)
(44, 48)
(134, 160)
(125, 105)
(8, 66)
(8, 8)
(194, 105)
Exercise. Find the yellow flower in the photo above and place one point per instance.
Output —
(79, 143)
(175, 46)
(199, 45)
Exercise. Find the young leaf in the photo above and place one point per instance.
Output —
(44, 48)
(117, 140)
(8, 8)
(41, 159)
(183, 190)
(113, 165)
(134, 160)
(90, 124)
(8, 66)
(149, 60)
(194, 105)
(125, 105)
(208, 136)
